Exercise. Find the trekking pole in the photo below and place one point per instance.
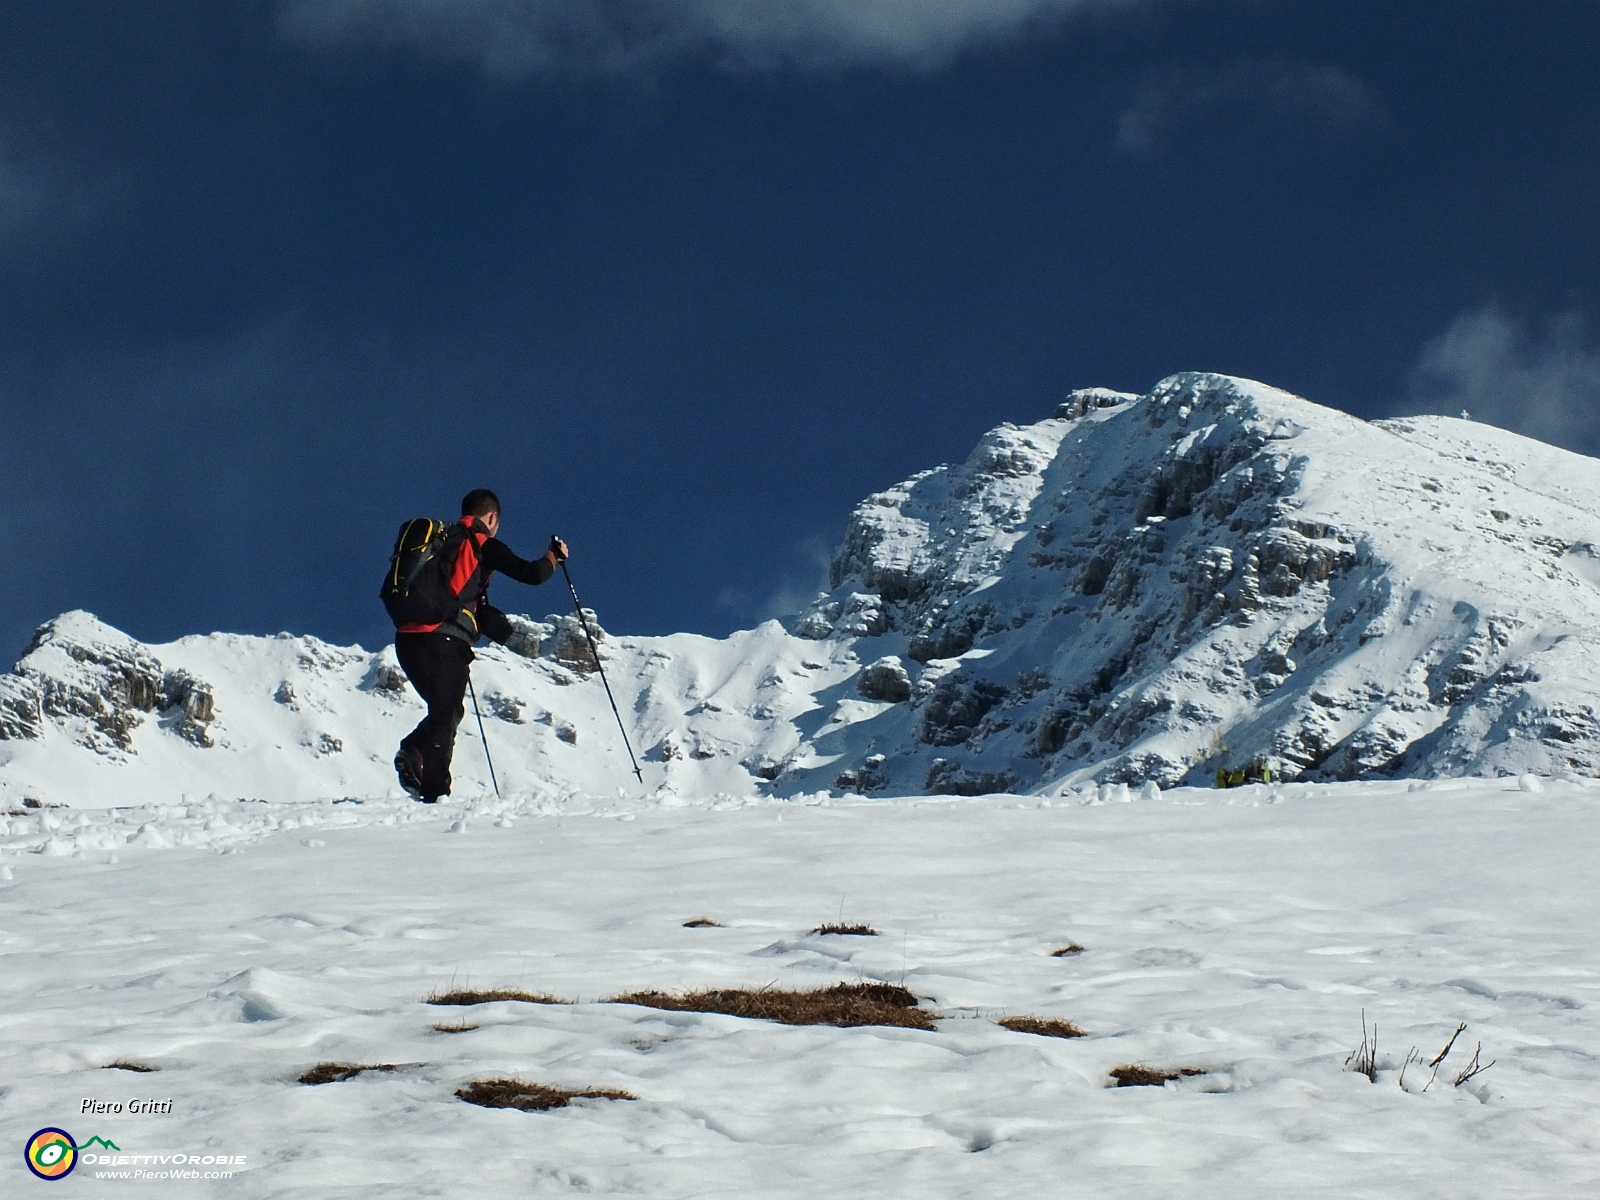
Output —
(595, 650)
(482, 738)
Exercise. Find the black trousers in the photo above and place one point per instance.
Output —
(437, 665)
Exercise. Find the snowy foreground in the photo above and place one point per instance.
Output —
(234, 945)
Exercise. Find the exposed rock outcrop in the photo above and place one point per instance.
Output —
(99, 684)
(886, 679)
(569, 644)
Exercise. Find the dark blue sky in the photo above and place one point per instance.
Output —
(686, 279)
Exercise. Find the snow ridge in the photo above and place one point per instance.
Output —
(1138, 588)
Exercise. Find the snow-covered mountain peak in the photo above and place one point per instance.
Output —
(1202, 576)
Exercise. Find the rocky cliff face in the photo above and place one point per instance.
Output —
(1217, 573)
(1138, 589)
(100, 685)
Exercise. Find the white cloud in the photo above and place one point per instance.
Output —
(1545, 384)
(575, 38)
(1165, 104)
(797, 587)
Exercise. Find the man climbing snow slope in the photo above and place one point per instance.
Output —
(437, 657)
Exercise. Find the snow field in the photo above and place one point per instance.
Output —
(1240, 932)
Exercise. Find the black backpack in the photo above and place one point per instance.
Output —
(416, 588)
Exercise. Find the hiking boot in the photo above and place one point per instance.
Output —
(408, 766)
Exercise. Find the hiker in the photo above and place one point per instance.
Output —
(437, 657)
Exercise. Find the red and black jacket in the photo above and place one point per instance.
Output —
(477, 558)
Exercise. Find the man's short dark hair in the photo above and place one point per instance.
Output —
(479, 502)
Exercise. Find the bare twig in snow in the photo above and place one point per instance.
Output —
(1364, 1058)
(1472, 1068)
(1439, 1058)
(1412, 1055)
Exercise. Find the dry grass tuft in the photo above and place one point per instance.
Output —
(1067, 951)
(844, 1004)
(466, 996)
(124, 1064)
(337, 1072)
(1044, 1026)
(1137, 1076)
(702, 923)
(849, 930)
(454, 1027)
(530, 1097)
